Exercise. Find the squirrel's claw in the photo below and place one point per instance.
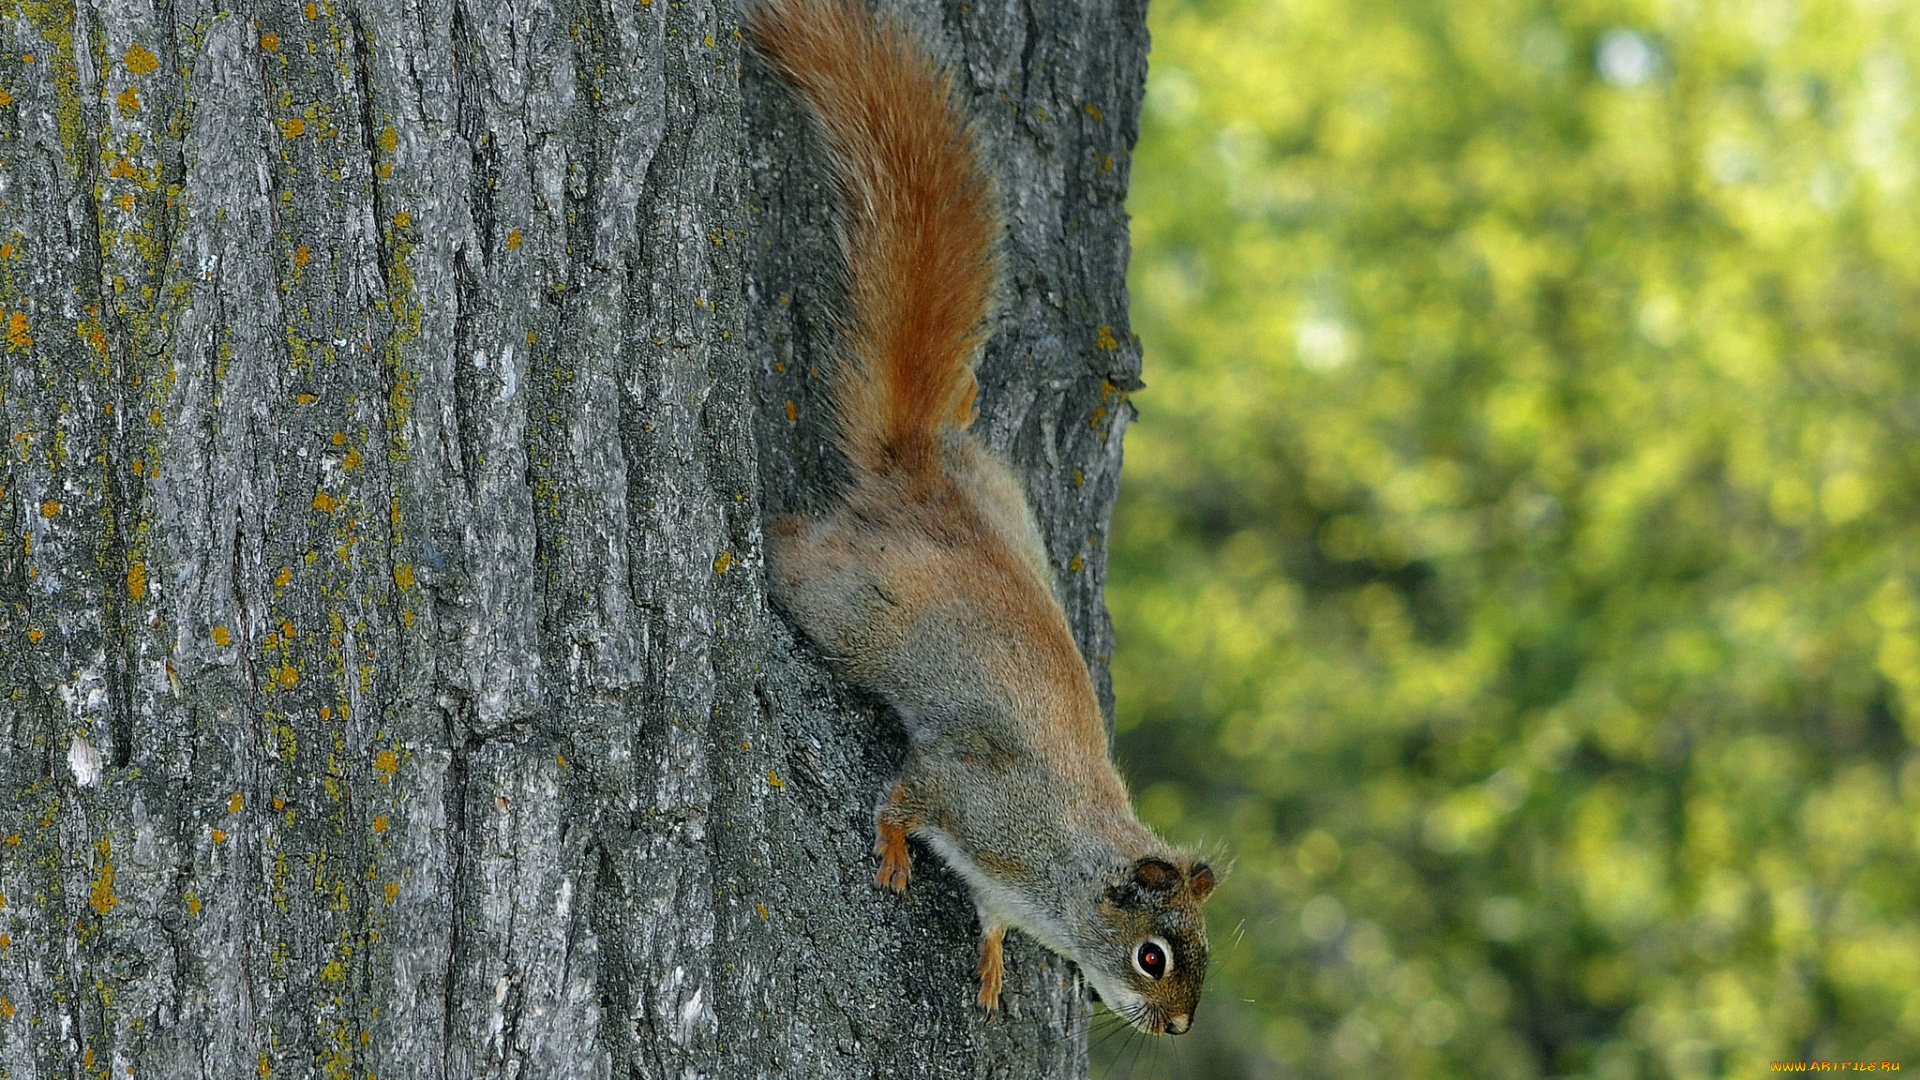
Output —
(992, 966)
(895, 867)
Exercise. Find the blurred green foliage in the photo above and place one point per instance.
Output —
(1517, 571)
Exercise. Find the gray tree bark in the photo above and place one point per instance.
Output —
(393, 391)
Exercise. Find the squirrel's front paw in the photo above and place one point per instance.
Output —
(892, 849)
(992, 966)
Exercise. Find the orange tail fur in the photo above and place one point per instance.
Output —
(918, 225)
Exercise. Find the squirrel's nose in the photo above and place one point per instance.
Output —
(1178, 1025)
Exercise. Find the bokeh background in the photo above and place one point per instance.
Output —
(1516, 571)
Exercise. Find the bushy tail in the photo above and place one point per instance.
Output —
(918, 224)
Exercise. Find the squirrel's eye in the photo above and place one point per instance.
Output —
(1153, 958)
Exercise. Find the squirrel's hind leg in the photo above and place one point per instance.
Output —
(993, 963)
(891, 825)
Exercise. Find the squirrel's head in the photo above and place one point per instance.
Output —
(1152, 957)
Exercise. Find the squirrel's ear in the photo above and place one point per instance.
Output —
(1202, 880)
(1147, 884)
(1156, 875)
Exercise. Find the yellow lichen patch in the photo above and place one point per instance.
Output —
(389, 139)
(94, 334)
(313, 10)
(306, 399)
(380, 823)
(286, 629)
(100, 898)
(137, 581)
(339, 438)
(293, 127)
(235, 802)
(34, 633)
(300, 256)
(140, 59)
(270, 41)
(386, 762)
(561, 760)
(392, 890)
(5, 100)
(1076, 564)
(721, 563)
(219, 836)
(6, 250)
(514, 239)
(283, 577)
(128, 100)
(793, 414)
(403, 575)
(6, 941)
(773, 779)
(49, 509)
(351, 461)
(19, 334)
(287, 677)
(6, 1008)
(193, 902)
(325, 503)
(333, 972)
(222, 636)
(762, 909)
(1094, 111)
(403, 219)
(1105, 340)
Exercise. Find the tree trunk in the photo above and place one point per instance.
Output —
(393, 393)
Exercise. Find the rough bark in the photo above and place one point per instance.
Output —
(393, 390)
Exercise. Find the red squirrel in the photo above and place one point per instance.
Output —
(928, 583)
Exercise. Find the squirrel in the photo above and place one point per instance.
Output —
(928, 583)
